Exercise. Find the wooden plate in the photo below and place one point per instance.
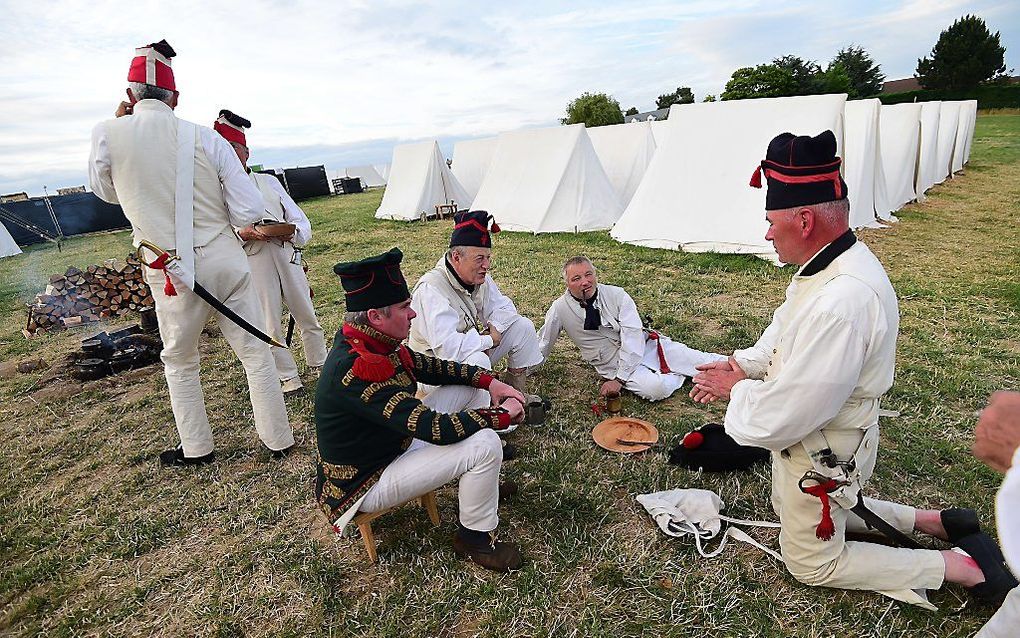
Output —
(275, 229)
(624, 428)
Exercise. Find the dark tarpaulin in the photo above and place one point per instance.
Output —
(77, 213)
(309, 181)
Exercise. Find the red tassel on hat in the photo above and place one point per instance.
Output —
(168, 286)
(826, 528)
(495, 227)
(693, 440)
(756, 177)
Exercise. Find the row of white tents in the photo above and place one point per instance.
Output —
(682, 183)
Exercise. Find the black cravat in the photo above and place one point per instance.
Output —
(592, 317)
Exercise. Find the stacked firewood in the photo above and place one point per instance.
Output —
(82, 296)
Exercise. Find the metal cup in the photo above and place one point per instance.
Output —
(614, 403)
(534, 412)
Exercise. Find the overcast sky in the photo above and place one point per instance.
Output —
(341, 83)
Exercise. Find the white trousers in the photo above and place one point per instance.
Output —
(892, 571)
(222, 269)
(278, 281)
(648, 382)
(1005, 623)
(519, 345)
(424, 467)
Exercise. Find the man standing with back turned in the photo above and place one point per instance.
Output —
(182, 189)
(809, 391)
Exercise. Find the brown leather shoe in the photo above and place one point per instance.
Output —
(495, 555)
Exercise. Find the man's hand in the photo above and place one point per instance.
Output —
(997, 434)
(250, 233)
(124, 108)
(495, 334)
(515, 408)
(610, 387)
(716, 380)
(500, 392)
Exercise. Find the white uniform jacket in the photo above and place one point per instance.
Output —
(825, 360)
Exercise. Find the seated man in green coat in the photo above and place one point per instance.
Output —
(379, 446)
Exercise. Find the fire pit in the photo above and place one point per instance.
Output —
(115, 352)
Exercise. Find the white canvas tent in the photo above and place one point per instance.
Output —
(370, 177)
(383, 170)
(625, 151)
(970, 109)
(659, 129)
(964, 133)
(548, 180)
(928, 156)
(471, 159)
(949, 120)
(862, 164)
(695, 194)
(899, 143)
(419, 181)
(8, 247)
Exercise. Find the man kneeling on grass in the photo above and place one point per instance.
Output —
(379, 446)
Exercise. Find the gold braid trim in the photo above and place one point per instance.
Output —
(391, 405)
(476, 378)
(437, 434)
(482, 421)
(348, 378)
(344, 503)
(338, 472)
(400, 379)
(412, 418)
(458, 427)
(406, 443)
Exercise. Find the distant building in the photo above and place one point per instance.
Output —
(913, 84)
(660, 114)
(13, 197)
(70, 190)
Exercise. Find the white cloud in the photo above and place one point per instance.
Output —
(358, 76)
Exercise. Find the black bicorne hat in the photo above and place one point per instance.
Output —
(471, 228)
(374, 282)
(234, 118)
(709, 448)
(801, 171)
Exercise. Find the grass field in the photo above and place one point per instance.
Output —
(96, 539)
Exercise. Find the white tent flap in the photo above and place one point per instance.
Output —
(928, 161)
(949, 119)
(471, 159)
(899, 144)
(625, 151)
(548, 180)
(695, 194)
(862, 168)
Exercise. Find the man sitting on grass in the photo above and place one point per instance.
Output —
(603, 322)
(379, 446)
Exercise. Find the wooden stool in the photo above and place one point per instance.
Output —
(364, 521)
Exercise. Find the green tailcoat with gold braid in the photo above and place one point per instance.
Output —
(366, 413)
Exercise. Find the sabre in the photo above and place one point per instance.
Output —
(171, 264)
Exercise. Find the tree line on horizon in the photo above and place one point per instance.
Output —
(966, 55)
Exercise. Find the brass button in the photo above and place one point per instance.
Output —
(770, 363)
(775, 350)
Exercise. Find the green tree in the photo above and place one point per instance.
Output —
(806, 75)
(682, 95)
(834, 80)
(593, 109)
(709, 98)
(764, 80)
(865, 76)
(965, 55)
(632, 111)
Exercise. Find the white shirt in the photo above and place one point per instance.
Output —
(824, 361)
(444, 328)
(244, 203)
(616, 348)
(1007, 514)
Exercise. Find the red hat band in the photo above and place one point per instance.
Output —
(151, 67)
(230, 132)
